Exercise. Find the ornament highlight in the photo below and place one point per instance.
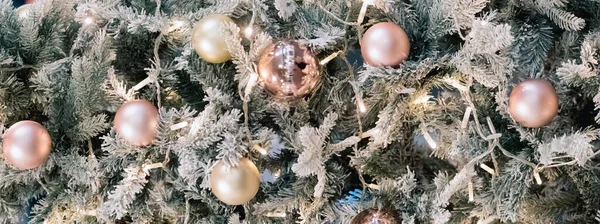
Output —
(235, 185)
(289, 69)
(207, 40)
(136, 122)
(376, 216)
(385, 44)
(26, 145)
(533, 103)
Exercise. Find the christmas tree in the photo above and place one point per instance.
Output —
(316, 111)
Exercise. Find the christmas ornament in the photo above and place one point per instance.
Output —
(235, 185)
(207, 39)
(533, 103)
(26, 145)
(385, 44)
(288, 69)
(23, 11)
(376, 216)
(136, 122)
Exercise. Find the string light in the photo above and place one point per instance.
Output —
(276, 214)
(465, 120)
(251, 82)
(261, 150)
(428, 138)
(248, 32)
(361, 105)
(88, 21)
(363, 11)
(456, 84)
(143, 83)
(536, 176)
(179, 125)
(422, 99)
(470, 187)
(177, 24)
(329, 58)
(488, 169)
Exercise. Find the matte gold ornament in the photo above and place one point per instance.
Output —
(385, 44)
(207, 39)
(26, 145)
(376, 216)
(136, 122)
(235, 185)
(289, 69)
(533, 103)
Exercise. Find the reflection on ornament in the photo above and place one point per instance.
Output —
(376, 216)
(136, 122)
(533, 103)
(385, 44)
(26, 145)
(289, 69)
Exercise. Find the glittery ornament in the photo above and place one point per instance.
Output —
(136, 122)
(289, 69)
(235, 185)
(207, 39)
(376, 216)
(533, 103)
(385, 44)
(26, 145)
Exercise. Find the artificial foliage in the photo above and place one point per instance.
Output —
(431, 140)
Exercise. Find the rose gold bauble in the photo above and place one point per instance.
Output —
(26, 145)
(136, 122)
(289, 69)
(533, 103)
(385, 44)
(376, 216)
(207, 39)
(235, 185)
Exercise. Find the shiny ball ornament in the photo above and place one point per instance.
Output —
(23, 11)
(289, 69)
(533, 103)
(207, 39)
(136, 122)
(235, 185)
(376, 216)
(385, 44)
(26, 145)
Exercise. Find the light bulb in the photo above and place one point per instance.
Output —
(248, 32)
(88, 21)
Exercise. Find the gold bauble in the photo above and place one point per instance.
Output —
(533, 103)
(207, 39)
(136, 122)
(235, 185)
(289, 69)
(385, 44)
(26, 145)
(377, 216)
